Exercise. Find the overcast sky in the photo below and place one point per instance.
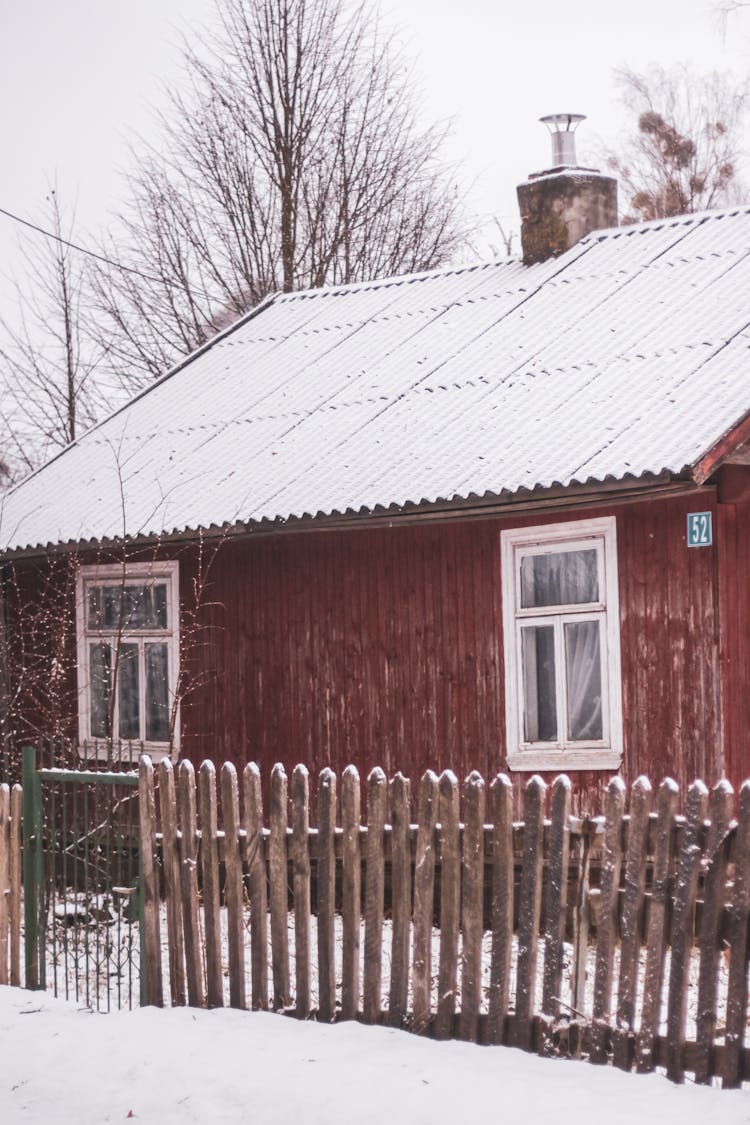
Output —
(77, 77)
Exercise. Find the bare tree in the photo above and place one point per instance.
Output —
(48, 363)
(507, 238)
(731, 15)
(291, 158)
(685, 151)
(727, 7)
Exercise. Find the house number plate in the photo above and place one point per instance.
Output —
(699, 529)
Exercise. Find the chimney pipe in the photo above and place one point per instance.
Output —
(566, 202)
(562, 127)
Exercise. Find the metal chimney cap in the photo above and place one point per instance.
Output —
(562, 127)
(562, 122)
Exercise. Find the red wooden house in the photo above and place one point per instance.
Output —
(494, 517)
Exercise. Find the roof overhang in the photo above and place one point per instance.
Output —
(722, 451)
(554, 498)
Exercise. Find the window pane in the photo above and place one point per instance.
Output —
(160, 605)
(127, 679)
(157, 693)
(583, 669)
(560, 578)
(94, 607)
(100, 688)
(130, 607)
(539, 698)
(106, 600)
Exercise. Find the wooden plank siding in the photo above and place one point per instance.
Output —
(383, 646)
(733, 534)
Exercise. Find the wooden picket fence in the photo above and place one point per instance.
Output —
(11, 803)
(622, 937)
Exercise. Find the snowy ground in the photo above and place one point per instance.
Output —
(74, 977)
(64, 1064)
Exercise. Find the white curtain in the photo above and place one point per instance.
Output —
(559, 578)
(584, 680)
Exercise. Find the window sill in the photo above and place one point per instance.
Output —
(155, 751)
(559, 760)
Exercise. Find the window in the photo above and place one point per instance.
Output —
(562, 646)
(128, 651)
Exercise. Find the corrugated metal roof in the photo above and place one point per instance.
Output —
(629, 355)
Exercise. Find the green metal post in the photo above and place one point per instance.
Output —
(32, 869)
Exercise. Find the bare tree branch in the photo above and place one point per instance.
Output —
(49, 366)
(685, 149)
(292, 157)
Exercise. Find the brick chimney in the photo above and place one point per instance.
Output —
(561, 205)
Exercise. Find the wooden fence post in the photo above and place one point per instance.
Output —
(33, 870)
(172, 890)
(683, 927)
(210, 874)
(738, 948)
(189, 886)
(233, 886)
(277, 865)
(16, 862)
(503, 870)
(472, 906)
(606, 935)
(4, 883)
(326, 896)
(150, 875)
(400, 899)
(450, 903)
(630, 948)
(301, 887)
(557, 887)
(351, 892)
(582, 915)
(661, 890)
(377, 794)
(529, 912)
(714, 893)
(424, 900)
(256, 879)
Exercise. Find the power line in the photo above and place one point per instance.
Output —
(100, 257)
(74, 246)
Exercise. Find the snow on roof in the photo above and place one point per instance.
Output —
(629, 355)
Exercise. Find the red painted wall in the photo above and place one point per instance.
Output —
(383, 646)
(734, 590)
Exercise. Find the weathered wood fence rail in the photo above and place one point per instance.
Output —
(495, 931)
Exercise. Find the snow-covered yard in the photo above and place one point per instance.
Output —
(70, 974)
(62, 1063)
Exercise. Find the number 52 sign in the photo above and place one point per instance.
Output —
(699, 529)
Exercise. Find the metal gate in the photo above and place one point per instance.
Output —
(83, 902)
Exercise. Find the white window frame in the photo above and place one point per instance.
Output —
(136, 573)
(563, 754)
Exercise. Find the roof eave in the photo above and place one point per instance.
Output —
(707, 464)
(556, 496)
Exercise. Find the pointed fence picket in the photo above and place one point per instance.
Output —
(556, 934)
(11, 804)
